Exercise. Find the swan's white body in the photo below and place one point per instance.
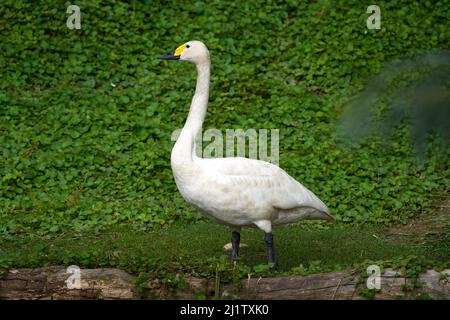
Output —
(234, 191)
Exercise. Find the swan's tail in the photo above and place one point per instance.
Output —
(322, 215)
(321, 211)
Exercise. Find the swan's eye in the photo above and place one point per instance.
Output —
(188, 46)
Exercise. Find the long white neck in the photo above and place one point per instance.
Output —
(183, 152)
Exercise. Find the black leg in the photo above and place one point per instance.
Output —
(235, 240)
(268, 238)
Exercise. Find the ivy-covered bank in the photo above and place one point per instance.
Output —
(86, 116)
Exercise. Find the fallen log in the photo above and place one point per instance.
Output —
(55, 283)
(348, 286)
(63, 283)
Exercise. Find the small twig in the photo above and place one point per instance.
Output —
(248, 285)
(334, 293)
(257, 283)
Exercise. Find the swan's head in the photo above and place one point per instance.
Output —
(192, 51)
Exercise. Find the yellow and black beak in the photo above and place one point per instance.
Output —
(169, 56)
(175, 55)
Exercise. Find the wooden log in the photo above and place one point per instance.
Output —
(55, 283)
(345, 285)
(52, 283)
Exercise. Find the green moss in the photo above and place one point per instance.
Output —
(197, 249)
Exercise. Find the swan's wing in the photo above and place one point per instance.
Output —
(293, 196)
(284, 191)
(239, 166)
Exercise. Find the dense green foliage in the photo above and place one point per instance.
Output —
(86, 115)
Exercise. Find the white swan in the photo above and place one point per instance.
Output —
(234, 191)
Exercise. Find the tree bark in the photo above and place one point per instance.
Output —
(55, 283)
(51, 283)
(345, 285)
